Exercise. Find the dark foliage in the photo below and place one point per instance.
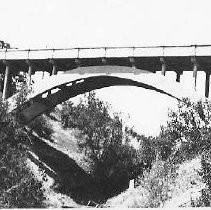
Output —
(112, 163)
(187, 132)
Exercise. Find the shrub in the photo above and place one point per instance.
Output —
(18, 186)
(111, 162)
(188, 129)
(205, 173)
(158, 182)
(186, 135)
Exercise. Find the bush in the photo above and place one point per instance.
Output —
(188, 134)
(158, 182)
(188, 129)
(112, 163)
(205, 173)
(18, 186)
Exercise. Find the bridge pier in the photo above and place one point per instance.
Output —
(207, 84)
(195, 69)
(178, 76)
(29, 75)
(30, 71)
(7, 80)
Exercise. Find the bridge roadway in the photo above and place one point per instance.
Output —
(155, 58)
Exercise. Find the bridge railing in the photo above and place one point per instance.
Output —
(99, 52)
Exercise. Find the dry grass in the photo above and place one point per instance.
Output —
(164, 188)
(53, 199)
(65, 140)
(134, 198)
(188, 184)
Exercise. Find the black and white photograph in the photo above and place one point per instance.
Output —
(105, 104)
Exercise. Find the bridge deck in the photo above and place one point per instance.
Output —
(176, 58)
(158, 58)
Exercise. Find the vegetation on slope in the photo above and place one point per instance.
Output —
(186, 138)
(18, 185)
(112, 161)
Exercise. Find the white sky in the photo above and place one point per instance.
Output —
(81, 23)
(62, 23)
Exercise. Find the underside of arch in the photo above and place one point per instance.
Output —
(47, 100)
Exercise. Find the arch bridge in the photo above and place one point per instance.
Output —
(77, 60)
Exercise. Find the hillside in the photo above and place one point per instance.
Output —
(186, 188)
(62, 140)
(95, 164)
(60, 165)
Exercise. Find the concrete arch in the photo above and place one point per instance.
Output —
(48, 99)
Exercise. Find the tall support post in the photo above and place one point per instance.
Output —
(43, 74)
(163, 67)
(29, 74)
(6, 90)
(207, 84)
(195, 69)
(54, 66)
(30, 71)
(178, 76)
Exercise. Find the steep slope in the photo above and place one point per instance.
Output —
(63, 165)
(186, 190)
(188, 184)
